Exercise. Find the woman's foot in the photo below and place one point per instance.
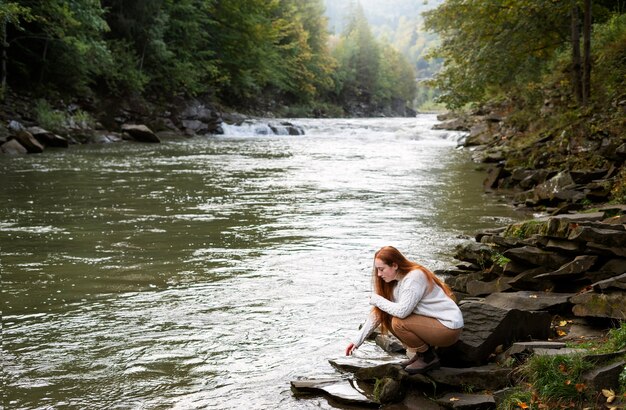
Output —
(412, 359)
(422, 362)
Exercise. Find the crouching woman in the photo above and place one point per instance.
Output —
(415, 305)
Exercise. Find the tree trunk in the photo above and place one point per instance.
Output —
(577, 80)
(587, 52)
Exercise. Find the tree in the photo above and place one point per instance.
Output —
(59, 46)
(490, 46)
(10, 13)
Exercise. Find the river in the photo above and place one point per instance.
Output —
(209, 272)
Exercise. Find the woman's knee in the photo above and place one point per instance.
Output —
(397, 324)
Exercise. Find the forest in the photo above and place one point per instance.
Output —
(241, 53)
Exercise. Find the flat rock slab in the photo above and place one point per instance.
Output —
(342, 391)
(528, 301)
(467, 401)
(353, 364)
(489, 377)
(530, 347)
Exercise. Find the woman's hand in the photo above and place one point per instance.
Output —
(350, 349)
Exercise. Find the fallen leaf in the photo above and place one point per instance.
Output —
(533, 296)
(563, 323)
(580, 387)
(561, 332)
(608, 393)
(454, 399)
(522, 405)
(568, 382)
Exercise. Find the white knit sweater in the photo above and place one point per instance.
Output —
(411, 295)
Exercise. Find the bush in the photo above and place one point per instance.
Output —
(48, 118)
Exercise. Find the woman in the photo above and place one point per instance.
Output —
(415, 305)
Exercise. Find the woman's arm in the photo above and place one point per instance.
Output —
(410, 294)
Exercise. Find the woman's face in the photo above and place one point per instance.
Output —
(384, 271)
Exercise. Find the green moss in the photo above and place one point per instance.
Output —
(525, 229)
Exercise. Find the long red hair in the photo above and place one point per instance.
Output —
(390, 255)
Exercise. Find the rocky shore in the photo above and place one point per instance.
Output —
(543, 287)
(21, 132)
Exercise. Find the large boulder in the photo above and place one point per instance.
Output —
(13, 147)
(487, 327)
(47, 138)
(604, 305)
(29, 142)
(140, 132)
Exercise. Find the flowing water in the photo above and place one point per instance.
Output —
(209, 272)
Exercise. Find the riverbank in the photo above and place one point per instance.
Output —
(547, 292)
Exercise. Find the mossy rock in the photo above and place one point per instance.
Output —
(526, 229)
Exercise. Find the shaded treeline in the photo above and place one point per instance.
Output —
(520, 48)
(242, 52)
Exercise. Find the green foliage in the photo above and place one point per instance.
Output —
(49, 118)
(518, 399)
(609, 74)
(557, 379)
(494, 46)
(58, 121)
(500, 259)
(617, 338)
(369, 71)
(61, 47)
(618, 191)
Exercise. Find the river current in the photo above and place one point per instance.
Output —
(209, 272)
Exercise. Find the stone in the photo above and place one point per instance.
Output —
(587, 176)
(389, 343)
(13, 147)
(140, 132)
(561, 245)
(343, 391)
(605, 305)
(488, 377)
(487, 327)
(481, 288)
(493, 174)
(47, 138)
(607, 237)
(389, 390)
(554, 187)
(529, 301)
(353, 364)
(606, 250)
(578, 266)
(195, 127)
(467, 401)
(615, 266)
(528, 348)
(605, 377)
(456, 124)
(29, 142)
(617, 282)
(526, 280)
(475, 253)
(536, 256)
(513, 268)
